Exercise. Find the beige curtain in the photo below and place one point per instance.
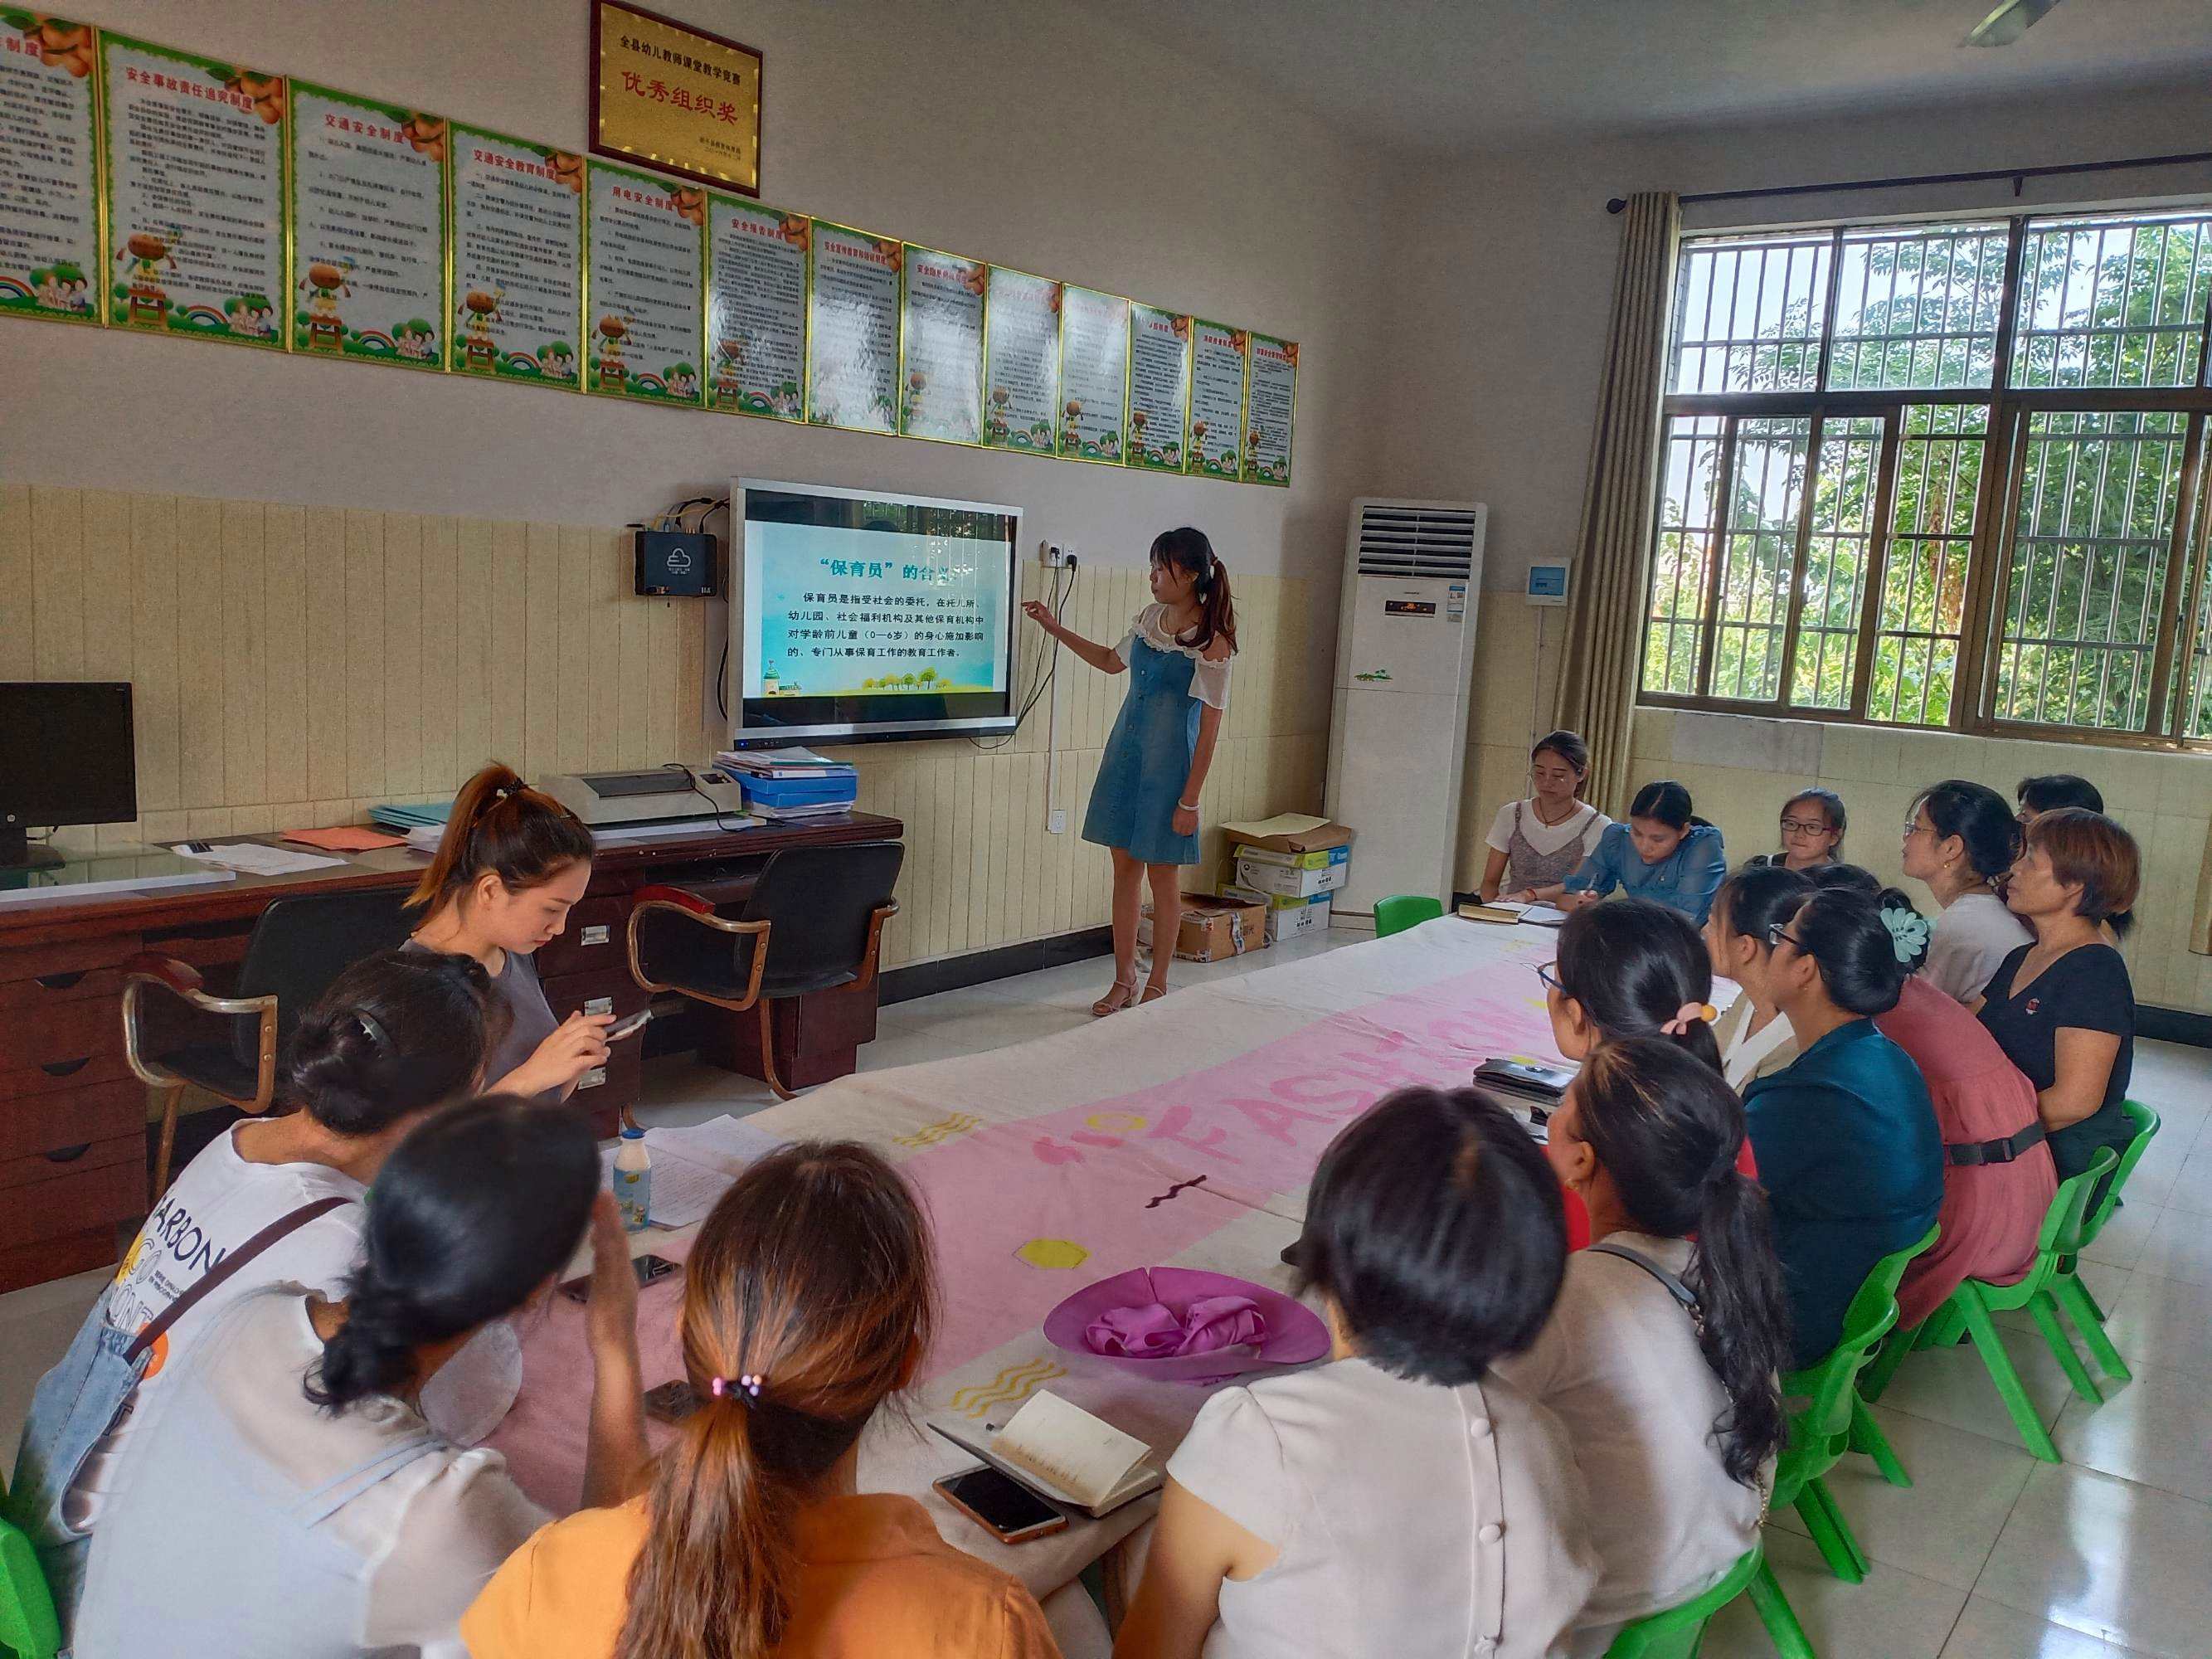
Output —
(1612, 553)
(2200, 925)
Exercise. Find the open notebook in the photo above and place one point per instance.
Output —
(1063, 1452)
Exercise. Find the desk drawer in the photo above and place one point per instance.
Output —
(594, 939)
(105, 1185)
(70, 956)
(68, 1046)
(32, 1126)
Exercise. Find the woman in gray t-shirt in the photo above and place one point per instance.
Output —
(511, 864)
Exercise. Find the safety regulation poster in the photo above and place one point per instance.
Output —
(518, 236)
(1021, 330)
(755, 307)
(49, 168)
(941, 382)
(852, 330)
(644, 296)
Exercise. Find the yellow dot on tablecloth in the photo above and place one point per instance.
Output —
(1052, 1253)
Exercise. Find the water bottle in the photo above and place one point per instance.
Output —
(634, 1180)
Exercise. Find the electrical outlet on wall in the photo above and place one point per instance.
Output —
(1056, 555)
(1056, 823)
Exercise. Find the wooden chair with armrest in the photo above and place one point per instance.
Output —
(184, 1039)
(814, 921)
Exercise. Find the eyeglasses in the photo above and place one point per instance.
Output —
(1803, 827)
(1777, 931)
(1544, 971)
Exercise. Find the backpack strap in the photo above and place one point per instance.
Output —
(1675, 1288)
(215, 1276)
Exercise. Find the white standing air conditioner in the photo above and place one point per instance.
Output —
(1404, 667)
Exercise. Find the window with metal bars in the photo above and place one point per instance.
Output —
(1940, 475)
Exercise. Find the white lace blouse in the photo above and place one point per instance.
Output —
(1209, 681)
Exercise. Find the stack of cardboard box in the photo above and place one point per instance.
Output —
(1291, 866)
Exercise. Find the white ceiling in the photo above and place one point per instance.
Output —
(1471, 75)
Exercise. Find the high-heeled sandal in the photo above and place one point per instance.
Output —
(1151, 992)
(1111, 1004)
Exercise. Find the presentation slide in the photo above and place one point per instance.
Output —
(846, 612)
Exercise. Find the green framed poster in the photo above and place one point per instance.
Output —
(941, 346)
(1271, 401)
(644, 285)
(1094, 374)
(852, 330)
(756, 309)
(1021, 360)
(516, 245)
(1159, 388)
(1217, 356)
(49, 169)
(194, 154)
(368, 229)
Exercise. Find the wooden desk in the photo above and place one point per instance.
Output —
(73, 1118)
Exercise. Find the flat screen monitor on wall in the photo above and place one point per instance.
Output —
(863, 616)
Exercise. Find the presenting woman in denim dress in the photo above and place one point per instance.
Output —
(1143, 806)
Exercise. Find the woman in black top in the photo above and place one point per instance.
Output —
(2063, 1008)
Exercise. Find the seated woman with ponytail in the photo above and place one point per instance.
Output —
(1754, 1035)
(1633, 968)
(1847, 1143)
(1659, 1355)
(512, 863)
(286, 1498)
(271, 1200)
(809, 1301)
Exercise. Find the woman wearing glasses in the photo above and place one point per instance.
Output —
(1961, 839)
(1812, 823)
(1846, 1138)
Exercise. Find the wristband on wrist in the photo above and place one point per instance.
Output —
(1185, 806)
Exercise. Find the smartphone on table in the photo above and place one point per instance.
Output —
(649, 1269)
(1000, 1505)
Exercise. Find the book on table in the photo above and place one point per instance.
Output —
(1062, 1452)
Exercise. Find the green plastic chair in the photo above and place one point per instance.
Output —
(2073, 1295)
(1400, 911)
(1822, 1433)
(1972, 1305)
(1678, 1632)
(27, 1624)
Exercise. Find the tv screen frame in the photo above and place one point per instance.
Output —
(857, 716)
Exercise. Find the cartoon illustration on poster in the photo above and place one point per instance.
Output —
(1094, 372)
(49, 168)
(1021, 361)
(1159, 387)
(369, 228)
(644, 293)
(1216, 400)
(517, 240)
(755, 307)
(1270, 402)
(852, 330)
(195, 153)
(941, 392)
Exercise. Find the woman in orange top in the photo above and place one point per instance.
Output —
(808, 1302)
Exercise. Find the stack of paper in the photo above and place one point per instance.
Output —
(394, 816)
(793, 761)
(252, 858)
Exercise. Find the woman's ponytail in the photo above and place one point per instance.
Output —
(373, 1352)
(1188, 550)
(502, 824)
(1640, 969)
(1668, 1131)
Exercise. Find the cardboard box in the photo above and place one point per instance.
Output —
(1288, 832)
(1287, 917)
(1289, 880)
(1213, 929)
(1316, 861)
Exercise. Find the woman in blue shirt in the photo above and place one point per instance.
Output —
(1846, 1139)
(1662, 853)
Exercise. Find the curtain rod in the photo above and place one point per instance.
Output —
(2018, 175)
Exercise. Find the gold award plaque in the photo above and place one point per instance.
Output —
(675, 97)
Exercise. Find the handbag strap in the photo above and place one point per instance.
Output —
(211, 1280)
(1675, 1288)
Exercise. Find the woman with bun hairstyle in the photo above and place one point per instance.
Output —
(1664, 852)
(2063, 1007)
(394, 1037)
(1961, 839)
(1633, 968)
(1144, 804)
(1406, 1498)
(512, 863)
(1661, 1354)
(809, 1302)
(1537, 843)
(1754, 1035)
(289, 1499)
(1846, 1137)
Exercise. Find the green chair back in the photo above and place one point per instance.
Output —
(27, 1624)
(2146, 1125)
(1820, 1433)
(2060, 1237)
(1400, 911)
(1675, 1634)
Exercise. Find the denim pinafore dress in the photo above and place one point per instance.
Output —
(1147, 759)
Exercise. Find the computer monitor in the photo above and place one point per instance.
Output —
(67, 756)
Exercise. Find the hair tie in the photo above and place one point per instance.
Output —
(744, 1390)
(371, 1028)
(1688, 1015)
(1908, 931)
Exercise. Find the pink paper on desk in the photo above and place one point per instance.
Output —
(344, 838)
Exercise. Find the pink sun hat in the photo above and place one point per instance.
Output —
(1149, 1306)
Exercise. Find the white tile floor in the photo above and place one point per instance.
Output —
(1988, 1555)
